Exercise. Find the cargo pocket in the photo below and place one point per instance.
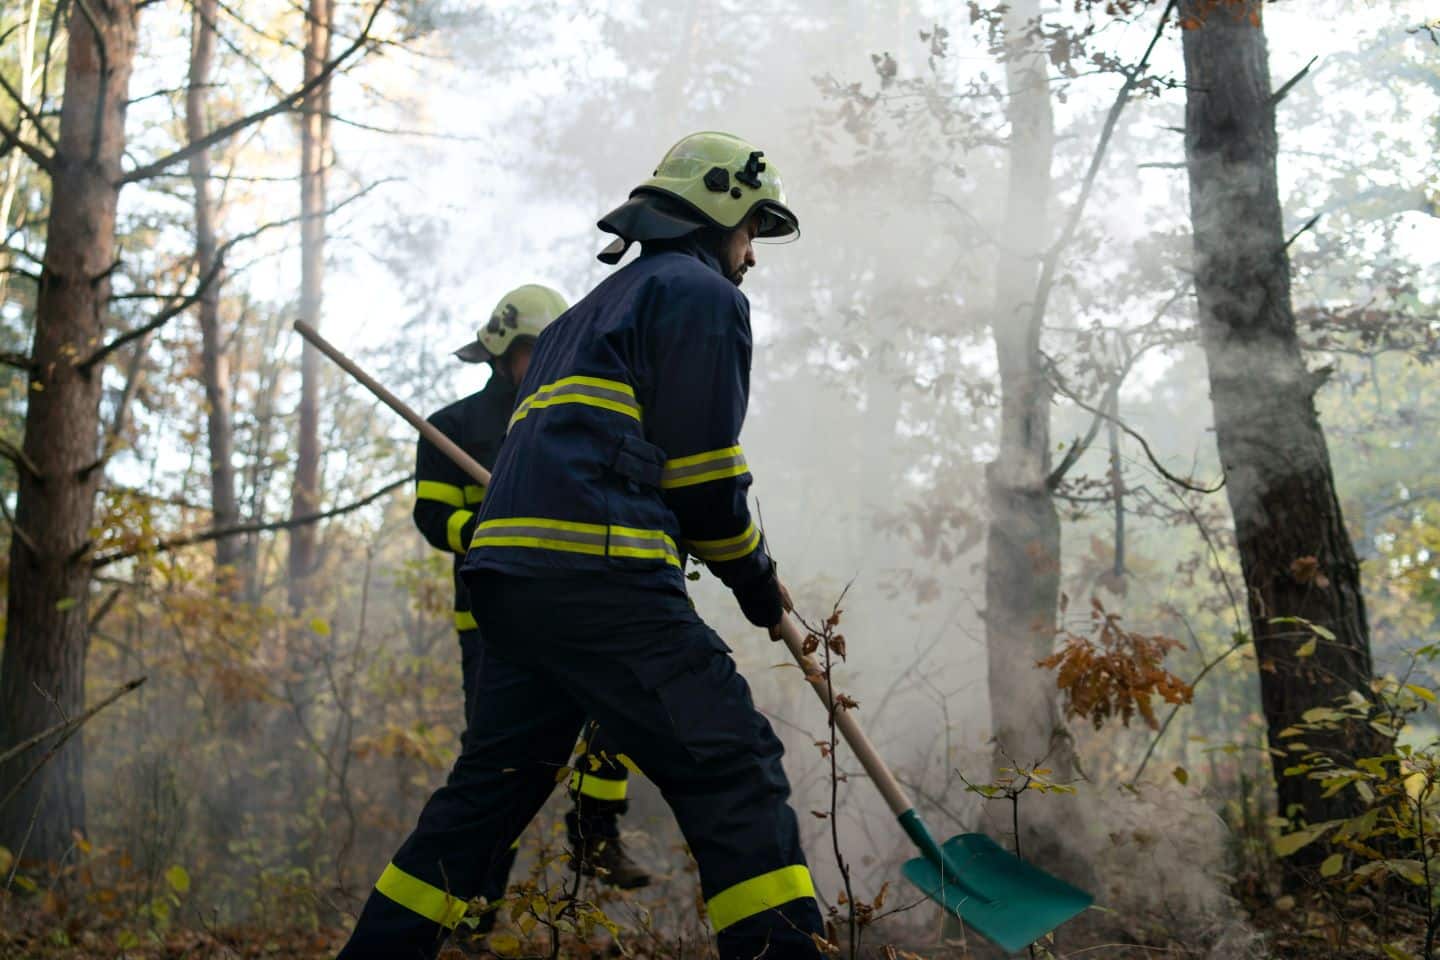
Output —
(706, 702)
(639, 463)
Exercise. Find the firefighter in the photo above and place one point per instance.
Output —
(446, 499)
(623, 452)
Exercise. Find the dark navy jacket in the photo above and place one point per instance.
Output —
(447, 497)
(624, 449)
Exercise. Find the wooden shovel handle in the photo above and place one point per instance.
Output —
(447, 446)
(794, 636)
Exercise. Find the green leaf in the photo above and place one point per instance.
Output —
(1291, 842)
(321, 626)
(127, 940)
(1306, 649)
(1395, 953)
(1421, 692)
(65, 603)
(1182, 775)
(178, 878)
(1324, 632)
(1332, 865)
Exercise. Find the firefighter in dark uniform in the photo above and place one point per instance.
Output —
(446, 501)
(623, 452)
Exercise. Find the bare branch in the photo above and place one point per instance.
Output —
(41, 159)
(27, 113)
(188, 301)
(65, 730)
(1052, 256)
(284, 105)
(1060, 387)
(216, 534)
(17, 360)
(1078, 448)
(1284, 91)
(1296, 235)
(17, 456)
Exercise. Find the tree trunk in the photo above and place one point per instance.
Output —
(1277, 468)
(314, 147)
(1022, 570)
(213, 366)
(42, 675)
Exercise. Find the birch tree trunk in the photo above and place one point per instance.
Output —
(42, 674)
(1295, 553)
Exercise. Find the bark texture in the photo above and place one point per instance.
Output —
(1272, 449)
(42, 674)
(214, 369)
(314, 149)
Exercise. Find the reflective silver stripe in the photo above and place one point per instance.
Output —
(591, 391)
(704, 467)
(731, 548)
(593, 539)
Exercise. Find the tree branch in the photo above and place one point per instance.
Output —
(1052, 256)
(17, 456)
(1131, 432)
(27, 113)
(40, 158)
(1284, 91)
(19, 361)
(65, 729)
(185, 303)
(283, 105)
(206, 536)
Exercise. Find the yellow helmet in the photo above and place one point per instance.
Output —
(707, 179)
(520, 315)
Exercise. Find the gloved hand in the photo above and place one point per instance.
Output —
(763, 600)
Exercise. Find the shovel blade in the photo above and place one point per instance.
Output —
(1024, 902)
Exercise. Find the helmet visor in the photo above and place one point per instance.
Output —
(777, 224)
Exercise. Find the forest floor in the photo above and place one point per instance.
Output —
(43, 928)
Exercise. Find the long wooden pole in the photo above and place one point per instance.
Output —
(447, 446)
(790, 630)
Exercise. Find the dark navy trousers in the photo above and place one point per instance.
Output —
(637, 659)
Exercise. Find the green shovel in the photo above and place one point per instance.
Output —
(1001, 897)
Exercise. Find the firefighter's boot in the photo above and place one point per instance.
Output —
(595, 842)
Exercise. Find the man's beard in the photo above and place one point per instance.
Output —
(737, 276)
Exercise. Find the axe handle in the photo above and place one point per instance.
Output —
(447, 446)
(794, 636)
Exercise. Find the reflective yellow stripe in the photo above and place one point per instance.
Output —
(598, 787)
(416, 895)
(731, 548)
(474, 493)
(465, 620)
(592, 391)
(628, 764)
(594, 539)
(516, 844)
(758, 894)
(457, 520)
(703, 468)
(446, 493)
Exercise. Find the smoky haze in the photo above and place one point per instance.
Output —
(875, 410)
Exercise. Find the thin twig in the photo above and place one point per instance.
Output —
(65, 729)
(284, 105)
(215, 534)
